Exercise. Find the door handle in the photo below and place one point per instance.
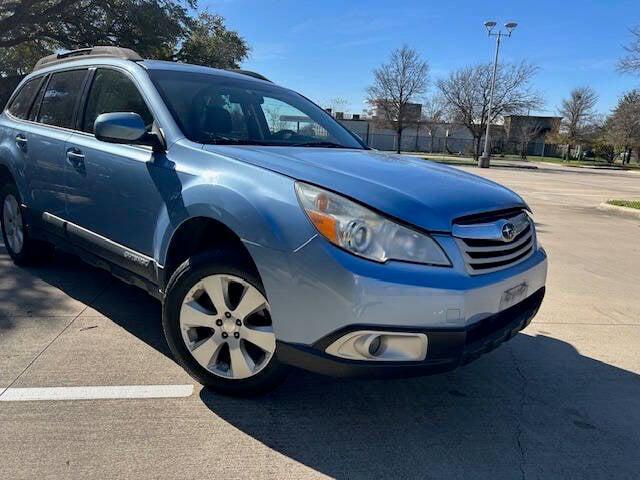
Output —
(21, 141)
(75, 157)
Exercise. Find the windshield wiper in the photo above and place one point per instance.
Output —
(318, 144)
(221, 140)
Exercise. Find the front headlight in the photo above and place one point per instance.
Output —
(365, 233)
(537, 245)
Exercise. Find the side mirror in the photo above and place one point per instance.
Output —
(127, 128)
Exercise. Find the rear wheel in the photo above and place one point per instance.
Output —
(21, 247)
(218, 324)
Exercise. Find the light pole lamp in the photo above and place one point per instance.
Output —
(510, 26)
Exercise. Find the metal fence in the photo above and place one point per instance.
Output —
(420, 143)
(455, 146)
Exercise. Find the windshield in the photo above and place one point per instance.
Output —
(216, 109)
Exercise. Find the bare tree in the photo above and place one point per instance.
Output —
(273, 114)
(525, 133)
(336, 104)
(631, 62)
(434, 111)
(467, 92)
(623, 126)
(396, 85)
(578, 112)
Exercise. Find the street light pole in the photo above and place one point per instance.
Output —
(486, 155)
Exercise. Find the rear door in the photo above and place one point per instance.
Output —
(112, 189)
(50, 124)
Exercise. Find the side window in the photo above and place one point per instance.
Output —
(24, 99)
(33, 113)
(112, 91)
(59, 101)
(282, 116)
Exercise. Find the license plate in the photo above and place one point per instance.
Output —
(513, 295)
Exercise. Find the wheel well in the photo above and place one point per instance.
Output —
(5, 176)
(198, 235)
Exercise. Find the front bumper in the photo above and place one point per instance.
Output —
(320, 289)
(448, 347)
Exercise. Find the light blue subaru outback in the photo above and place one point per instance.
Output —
(272, 235)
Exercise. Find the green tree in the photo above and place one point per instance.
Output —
(210, 43)
(153, 27)
(16, 62)
(19, 60)
(157, 29)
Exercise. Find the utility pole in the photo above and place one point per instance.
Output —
(484, 161)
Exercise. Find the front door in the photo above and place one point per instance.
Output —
(112, 195)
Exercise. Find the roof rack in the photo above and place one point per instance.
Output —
(251, 74)
(102, 52)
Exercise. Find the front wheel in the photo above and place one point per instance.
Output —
(218, 324)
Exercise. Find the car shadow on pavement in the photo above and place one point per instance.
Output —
(534, 407)
(27, 292)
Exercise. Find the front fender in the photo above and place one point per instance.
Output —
(259, 206)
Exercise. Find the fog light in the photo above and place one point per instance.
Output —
(374, 346)
(380, 346)
(367, 345)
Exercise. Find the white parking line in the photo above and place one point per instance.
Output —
(566, 194)
(95, 392)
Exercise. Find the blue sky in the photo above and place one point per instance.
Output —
(328, 48)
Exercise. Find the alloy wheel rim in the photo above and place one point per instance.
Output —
(226, 326)
(13, 224)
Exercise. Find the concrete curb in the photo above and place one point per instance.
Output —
(493, 164)
(623, 211)
(521, 167)
(587, 167)
(551, 164)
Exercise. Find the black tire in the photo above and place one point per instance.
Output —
(183, 279)
(32, 251)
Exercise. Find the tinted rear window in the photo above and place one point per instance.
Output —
(59, 101)
(33, 113)
(24, 99)
(113, 91)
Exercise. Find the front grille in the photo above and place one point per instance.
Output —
(485, 250)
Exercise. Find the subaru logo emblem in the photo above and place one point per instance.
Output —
(508, 231)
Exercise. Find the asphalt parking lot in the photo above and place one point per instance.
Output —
(561, 400)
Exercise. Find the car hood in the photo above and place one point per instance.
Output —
(423, 193)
